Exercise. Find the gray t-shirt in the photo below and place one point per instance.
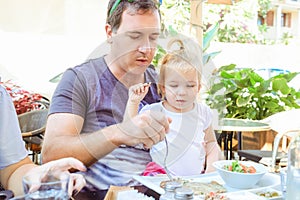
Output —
(92, 91)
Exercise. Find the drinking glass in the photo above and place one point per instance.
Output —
(283, 177)
(49, 185)
(19, 198)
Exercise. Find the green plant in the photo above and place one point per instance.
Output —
(237, 21)
(264, 7)
(244, 94)
(207, 38)
(286, 37)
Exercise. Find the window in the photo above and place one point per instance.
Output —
(286, 19)
(268, 20)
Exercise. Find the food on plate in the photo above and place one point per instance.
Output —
(268, 194)
(163, 183)
(238, 167)
(200, 188)
(215, 196)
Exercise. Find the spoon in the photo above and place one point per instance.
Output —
(165, 161)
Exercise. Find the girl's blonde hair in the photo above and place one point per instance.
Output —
(187, 56)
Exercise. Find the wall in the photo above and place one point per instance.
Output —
(45, 37)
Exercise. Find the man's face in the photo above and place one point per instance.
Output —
(134, 43)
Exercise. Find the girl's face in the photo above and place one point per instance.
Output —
(180, 89)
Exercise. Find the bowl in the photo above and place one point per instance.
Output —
(237, 179)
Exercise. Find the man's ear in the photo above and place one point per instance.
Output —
(108, 30)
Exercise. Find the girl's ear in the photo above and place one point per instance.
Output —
(199, 87)
(162, 90)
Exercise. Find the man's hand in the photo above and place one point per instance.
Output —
(147, 128)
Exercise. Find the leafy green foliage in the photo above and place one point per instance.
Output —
(207, 38)
(175, 14)
(264, 7)
(160, 52)
(238, 22)
(244, 94)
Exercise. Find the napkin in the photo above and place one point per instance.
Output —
(125, 193)
(112, 193)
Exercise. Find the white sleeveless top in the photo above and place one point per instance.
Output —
(186, 143)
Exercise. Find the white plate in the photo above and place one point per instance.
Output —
(276, 189)
(153, 182)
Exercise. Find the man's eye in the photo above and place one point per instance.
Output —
(153, 38)
(173, 86)
(191, 86)
(134, 37)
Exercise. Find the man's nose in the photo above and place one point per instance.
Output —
(146, 47)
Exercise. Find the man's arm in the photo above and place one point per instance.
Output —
(63, 138)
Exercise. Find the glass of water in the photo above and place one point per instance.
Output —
(283, 177)
(49, 185)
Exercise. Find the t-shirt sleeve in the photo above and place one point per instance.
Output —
(70, 94)
(12, 147)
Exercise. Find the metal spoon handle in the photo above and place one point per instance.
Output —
(165, 160)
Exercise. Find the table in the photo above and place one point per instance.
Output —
(86, 194)
(100, 194)
(228, 126)
(268, 182)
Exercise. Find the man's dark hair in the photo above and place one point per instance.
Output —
(114, 16)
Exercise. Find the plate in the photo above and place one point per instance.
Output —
(153, 182)
(269, 190)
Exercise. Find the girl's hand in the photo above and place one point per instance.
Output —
(138, 92)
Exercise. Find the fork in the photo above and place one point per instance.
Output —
(165, 161)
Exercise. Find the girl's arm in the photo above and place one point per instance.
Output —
(136, 94)
(213, 150)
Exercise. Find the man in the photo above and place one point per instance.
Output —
(14, 160)
(86, 112)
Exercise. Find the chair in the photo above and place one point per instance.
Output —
(287, 127)
(32, 125)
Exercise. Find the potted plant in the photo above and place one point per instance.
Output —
(244, 94)
(25, 101)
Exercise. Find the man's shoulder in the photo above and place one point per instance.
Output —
(90, 68)
(91, 63)
(151, 69)
(151, 73)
